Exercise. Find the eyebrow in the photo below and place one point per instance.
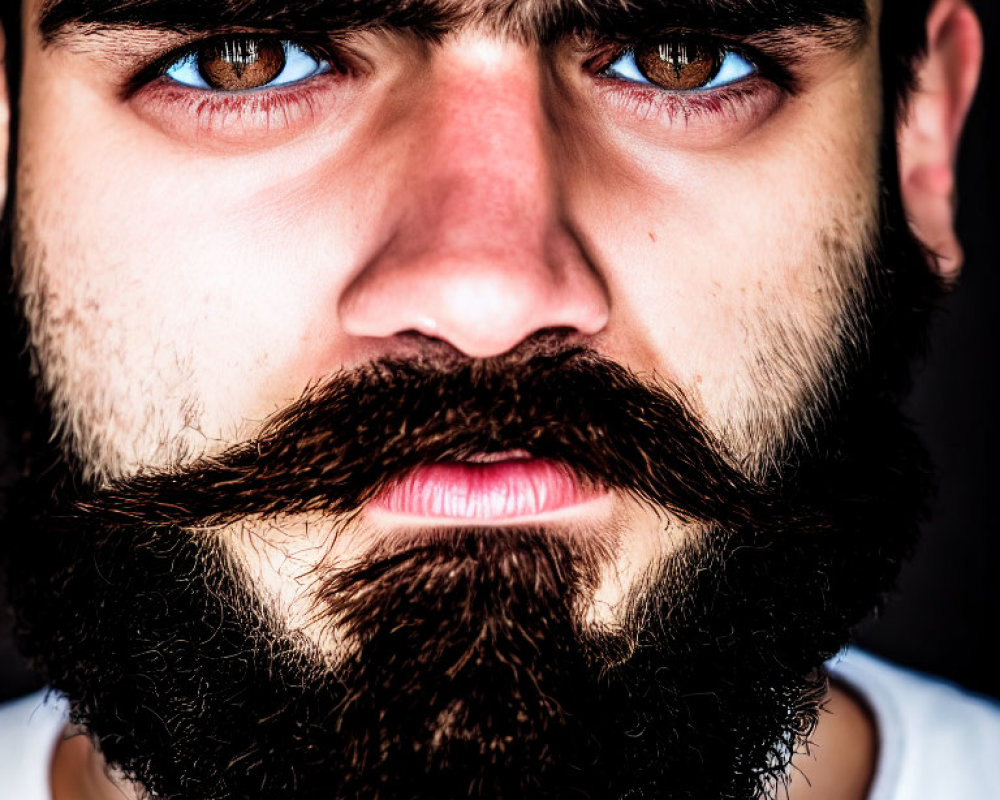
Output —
(839, 24)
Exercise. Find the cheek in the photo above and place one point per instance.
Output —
(179, 292)
(733, 267)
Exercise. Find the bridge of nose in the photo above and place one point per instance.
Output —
(480, 255)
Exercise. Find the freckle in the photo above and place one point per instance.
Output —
(652, 238)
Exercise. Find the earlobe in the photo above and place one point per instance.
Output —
(929, 137)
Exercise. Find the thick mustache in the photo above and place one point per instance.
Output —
(349, 437)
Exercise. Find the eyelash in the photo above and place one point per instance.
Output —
(298, 103)
(736, 103)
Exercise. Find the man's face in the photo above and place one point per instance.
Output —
(213, 223)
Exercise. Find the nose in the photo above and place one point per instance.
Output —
(480, 254)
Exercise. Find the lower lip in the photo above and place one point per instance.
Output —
(503, 490)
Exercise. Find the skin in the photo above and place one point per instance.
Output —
(191, 276)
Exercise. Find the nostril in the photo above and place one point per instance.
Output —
(414, 343)
(563, 336)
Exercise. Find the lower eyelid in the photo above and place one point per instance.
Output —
(246, 119)
(703, 119)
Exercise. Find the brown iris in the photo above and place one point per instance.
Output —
(679, 65)
(240, 64)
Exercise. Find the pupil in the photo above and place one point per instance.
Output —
(679, 55)
(679, 64)
(240, 55)
(241, 64)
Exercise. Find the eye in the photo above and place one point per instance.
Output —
(244, 63)
(681, 66)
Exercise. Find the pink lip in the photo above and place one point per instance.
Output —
(483, 491)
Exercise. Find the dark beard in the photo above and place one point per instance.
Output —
(473, 674)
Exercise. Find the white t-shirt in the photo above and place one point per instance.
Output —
(29, 730)
(936, 742)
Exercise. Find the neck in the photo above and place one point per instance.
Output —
(80, 773)
(840, 762)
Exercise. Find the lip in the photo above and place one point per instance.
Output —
(489, 491)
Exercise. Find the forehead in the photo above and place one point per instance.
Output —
(524, 19)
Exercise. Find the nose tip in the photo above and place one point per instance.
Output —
(482, 307)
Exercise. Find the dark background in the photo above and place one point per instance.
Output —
(945, 616)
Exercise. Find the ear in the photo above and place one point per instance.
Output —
(929, 137)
